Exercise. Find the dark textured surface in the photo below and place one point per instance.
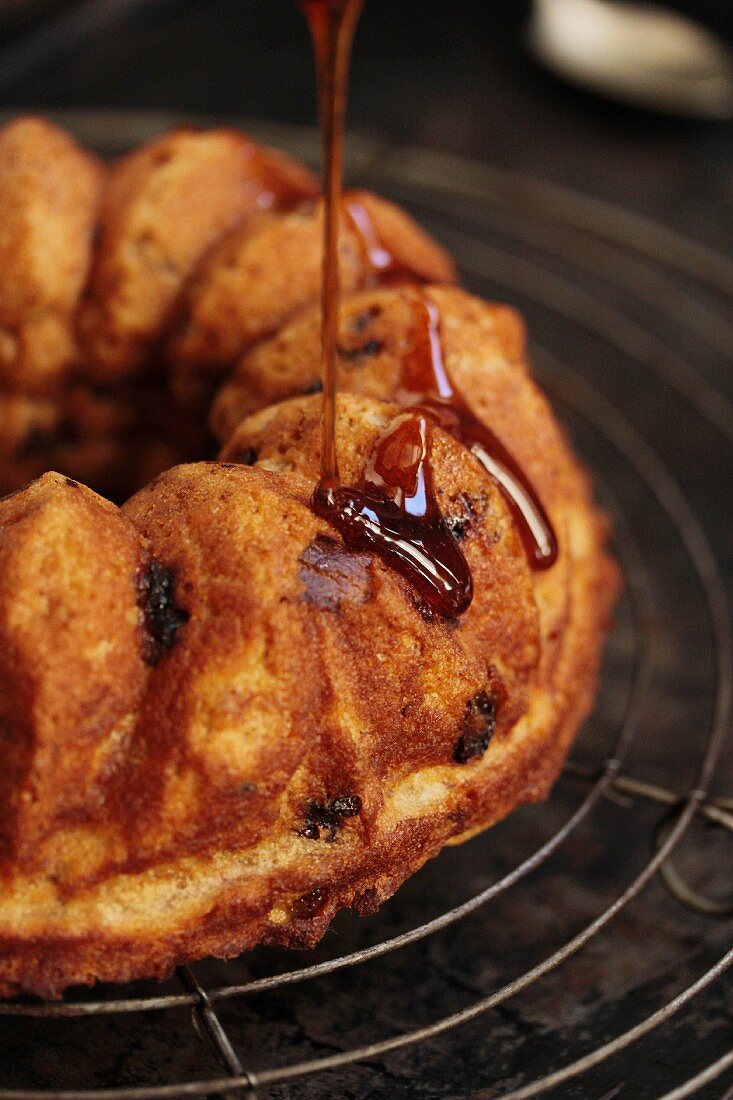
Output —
(450, 76)
(456, 80)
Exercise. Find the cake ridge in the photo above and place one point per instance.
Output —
(221, 724)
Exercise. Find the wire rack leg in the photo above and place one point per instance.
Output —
(210, 1030)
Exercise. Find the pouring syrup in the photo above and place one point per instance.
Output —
(394, 510)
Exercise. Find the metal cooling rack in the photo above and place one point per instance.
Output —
(634, 340)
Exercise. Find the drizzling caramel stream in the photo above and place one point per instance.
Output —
(332, 24)
(394, 510)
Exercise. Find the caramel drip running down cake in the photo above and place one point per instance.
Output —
(227, 713)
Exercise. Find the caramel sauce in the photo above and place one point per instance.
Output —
(383, 264)
(427, 386)
(379, 259)
(394, 510)
(332, 24)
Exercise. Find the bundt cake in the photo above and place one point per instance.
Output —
(92, 262)
(220, 722)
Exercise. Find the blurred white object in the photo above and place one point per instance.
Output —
(643, 54)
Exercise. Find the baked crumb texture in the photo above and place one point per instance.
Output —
(219, 726)
(129, 291)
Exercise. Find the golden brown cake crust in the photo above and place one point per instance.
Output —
(219, 724)
(92, 262)
(295, 746)
(164, 206)
(375, 329)
(71, 675)
(49, 193)
(262, 275)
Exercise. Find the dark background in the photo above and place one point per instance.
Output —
(451, 76)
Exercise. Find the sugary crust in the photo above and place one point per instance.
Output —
(259, 277)
(304, 674)
(376, 327)
(226, 902)
(91, 263)
(483, 346)
(165, 205)
(219, 726)
(49, 193)
(70, 676)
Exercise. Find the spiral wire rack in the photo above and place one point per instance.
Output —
(568, 261)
